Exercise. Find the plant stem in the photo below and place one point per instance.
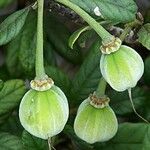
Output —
(39, 64)
(100, 92)
(105, 35)
(49, 143)
(125, 32)
(128, 28)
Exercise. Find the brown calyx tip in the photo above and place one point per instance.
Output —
(111, 46)
(99, 102)
(42, 85)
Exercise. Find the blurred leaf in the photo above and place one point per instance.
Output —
(145, 111)
(4, 3)
(10, 142)
(58, 35)
(144, 35)
(49, 54)
(27, 43)
(32, 143)
(115, 11)
(3, 118)
(60, 78)
(130, 136)
(147, 71)
(12, 124)
(4, 74)
(78, 143)
(10, 95)
(73, 38)
(12, 58)
(1, 84)
(147, 16)
(120, 100)
(12, 25)
(87, 78)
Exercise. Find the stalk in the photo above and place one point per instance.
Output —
(104, 34)
(39, 64)
(100, 92)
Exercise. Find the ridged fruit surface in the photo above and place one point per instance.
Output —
(44, 113)
(122, 69)
(95, 124)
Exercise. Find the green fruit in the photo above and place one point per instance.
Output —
(44, 113)
(122, 69)
(95, 124)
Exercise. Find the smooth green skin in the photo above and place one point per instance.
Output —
(95, 124)
(44, 114)
(122, 69)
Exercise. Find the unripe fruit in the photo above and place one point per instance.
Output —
(44, 113)
(122, 69)
(94, 124)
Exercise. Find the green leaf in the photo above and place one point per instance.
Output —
(32, 143)
(115, 11)
(120, 100)
(144, 35)
(27, 43)
(58, 35)
(130, 136)
(12, 25)
(10, 95)
(147, 71)
(10, 142)
(60, 78)
(73, 38)
(87, 78)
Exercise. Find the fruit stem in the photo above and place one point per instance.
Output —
(131, 100)
(39, 64)
(104, 34)
(49, 143)
(100, 92)
(128, 28)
